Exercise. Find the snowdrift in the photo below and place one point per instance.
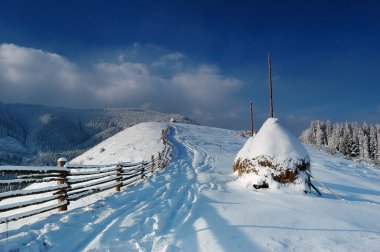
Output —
(134, 144)
(272, 158)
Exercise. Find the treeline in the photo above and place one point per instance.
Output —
(354, 141)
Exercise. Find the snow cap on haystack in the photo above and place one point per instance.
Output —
(273, 157)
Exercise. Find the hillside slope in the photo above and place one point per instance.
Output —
(197, 204)
(139, 143)
(38, 135)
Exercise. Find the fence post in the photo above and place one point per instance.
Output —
(159, 160)
(118, 179)
(152, 164)
(62, 192)
(163, 136)
(143, 170)
(164, 157)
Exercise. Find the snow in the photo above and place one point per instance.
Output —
(31, 191)
(38, 169)
(133, 144)
(62, 159)
(35, 201)
(32, 212)
(94, 172)
(274, 141)
(196, 204)
(268, 156)
(25, 181)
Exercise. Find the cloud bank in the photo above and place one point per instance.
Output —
(165, 81)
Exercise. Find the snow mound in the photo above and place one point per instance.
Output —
(134, 144)
(272, 157)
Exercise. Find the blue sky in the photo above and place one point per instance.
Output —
(204, 59)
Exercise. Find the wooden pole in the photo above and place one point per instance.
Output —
(61, 163)
(119, 170)
(251, 113)
(159, 160)
(152, 164)
(270, 86)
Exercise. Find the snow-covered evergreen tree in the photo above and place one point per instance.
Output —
(320, 134)
(329, 132)
(334, 140)
(350, 139)
(377, 157)
(372, 146)
(363, 144)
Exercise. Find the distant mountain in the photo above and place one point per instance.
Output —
(38, 135)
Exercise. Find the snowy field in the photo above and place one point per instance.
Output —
(196, 204)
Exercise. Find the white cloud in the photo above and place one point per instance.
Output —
(27, 67)
(170, 57)
(205, 85)
(120, 58)
(29, 75)
(171, 61)
(206, 115)
(122, 81)
(166, 82)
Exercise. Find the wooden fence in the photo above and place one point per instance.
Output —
(72, 182)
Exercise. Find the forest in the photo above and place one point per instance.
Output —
(354, 141)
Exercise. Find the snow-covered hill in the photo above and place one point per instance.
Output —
(196, 204)
(141, 142)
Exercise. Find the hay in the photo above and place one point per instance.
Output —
(273, 157)
(284, 173)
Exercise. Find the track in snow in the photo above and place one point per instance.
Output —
(142, 218)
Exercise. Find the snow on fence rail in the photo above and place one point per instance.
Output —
(71, 182)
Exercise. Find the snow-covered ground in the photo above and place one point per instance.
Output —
(133, 144)
(196, 204)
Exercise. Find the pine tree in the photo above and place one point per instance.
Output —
(313, 133)
(353, 148)
(308, 135)
(377, 158)
(354, 141)
(335, 138)
(363, 144)
(345, 143)
(372, 146)
(320, 133)
(329, 132)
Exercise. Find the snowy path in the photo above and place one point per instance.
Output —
(195, 204)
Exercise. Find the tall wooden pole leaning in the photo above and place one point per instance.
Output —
(270, 86)
(250, 109)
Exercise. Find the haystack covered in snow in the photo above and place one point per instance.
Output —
(273, 157)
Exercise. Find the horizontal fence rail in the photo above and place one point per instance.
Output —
(70, 182)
